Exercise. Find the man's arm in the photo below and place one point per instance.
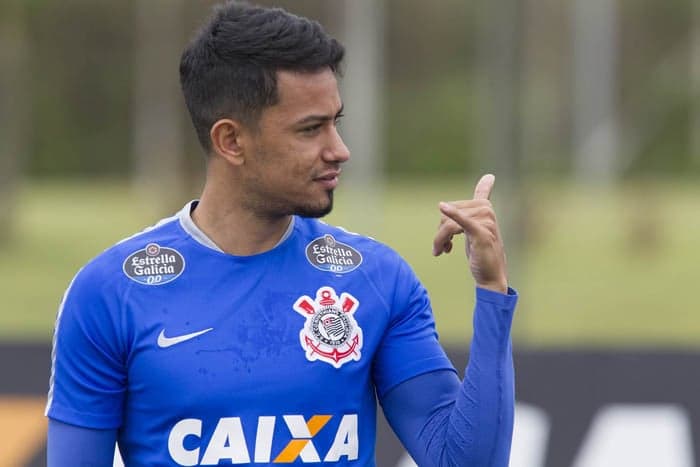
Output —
(70, 445)
(444, 422)
(440, 421)
(88, 375)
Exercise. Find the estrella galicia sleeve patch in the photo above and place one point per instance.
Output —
(154, 265)
(328, 254)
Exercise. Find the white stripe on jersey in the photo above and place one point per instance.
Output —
(53, 345)
(148, 229)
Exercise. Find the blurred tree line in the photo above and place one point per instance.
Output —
(73, 65)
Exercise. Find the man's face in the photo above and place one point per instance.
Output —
(293, 160)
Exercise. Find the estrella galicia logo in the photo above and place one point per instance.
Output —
(328, 254)
(154, 265)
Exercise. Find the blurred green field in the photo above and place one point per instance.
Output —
(614, 267)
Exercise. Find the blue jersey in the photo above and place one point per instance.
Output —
(199, 357)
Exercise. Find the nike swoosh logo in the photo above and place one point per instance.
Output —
(165, 342)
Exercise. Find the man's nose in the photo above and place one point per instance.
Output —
(337, 150)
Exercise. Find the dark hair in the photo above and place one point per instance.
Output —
(229, 69)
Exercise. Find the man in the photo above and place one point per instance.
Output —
(243, 330)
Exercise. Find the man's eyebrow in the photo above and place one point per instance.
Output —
(320, 118)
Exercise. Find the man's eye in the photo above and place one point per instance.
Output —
(336, 122)
(310, 129)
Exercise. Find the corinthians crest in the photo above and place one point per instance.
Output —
(330, 333)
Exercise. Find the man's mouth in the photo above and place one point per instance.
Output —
(329, 180)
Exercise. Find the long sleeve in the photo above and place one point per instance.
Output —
(444, 422)
(70, 445)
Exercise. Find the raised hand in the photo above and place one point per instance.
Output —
(483, 245)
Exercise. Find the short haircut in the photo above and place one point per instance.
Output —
(229, 69)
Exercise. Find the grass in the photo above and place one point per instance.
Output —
(59, 227)
(614, 267)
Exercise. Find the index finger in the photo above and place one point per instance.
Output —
(484, 186)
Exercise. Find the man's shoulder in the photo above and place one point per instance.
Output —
(155, 245)
(321, 234)
(319, 228)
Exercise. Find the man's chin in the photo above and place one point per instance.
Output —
(314, 212)
(317, 211)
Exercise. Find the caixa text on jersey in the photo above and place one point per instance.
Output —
(228, 442)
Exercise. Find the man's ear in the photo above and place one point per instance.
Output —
(226, 140)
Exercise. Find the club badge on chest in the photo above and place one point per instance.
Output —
(330, 333)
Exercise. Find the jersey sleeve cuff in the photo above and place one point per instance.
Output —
(502, 300)
(71, 417)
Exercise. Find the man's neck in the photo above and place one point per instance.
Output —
(234, 229)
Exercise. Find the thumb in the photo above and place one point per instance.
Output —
(484, 186)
